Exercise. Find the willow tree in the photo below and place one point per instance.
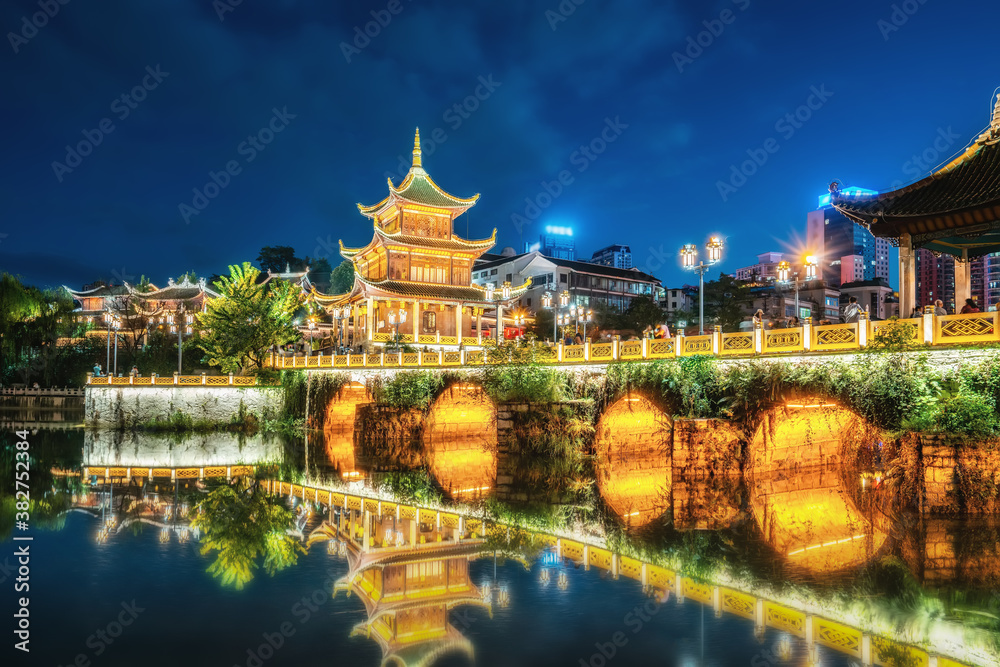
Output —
(238, 329)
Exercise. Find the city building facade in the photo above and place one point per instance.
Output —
(765, 270)
(555, 241)
(617, 255)
(835, 240)
(588, 284)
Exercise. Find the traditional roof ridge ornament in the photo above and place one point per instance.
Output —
(417, 162)
(995, 122)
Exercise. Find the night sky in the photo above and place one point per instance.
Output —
(885, 85)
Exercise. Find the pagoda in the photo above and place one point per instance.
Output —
(954, 210)
(414, 277)
(409, 576)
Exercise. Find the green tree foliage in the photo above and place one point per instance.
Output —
(641, 313)
(31, 323)
(607, 317)
(342, 278)
(276, 258)
(542, 327)
(727, 302)
(415, 486)
(239, 329)
(409, 389)
(893, 336)
(243, 524)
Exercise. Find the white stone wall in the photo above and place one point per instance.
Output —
(104, 448)
(116, 406)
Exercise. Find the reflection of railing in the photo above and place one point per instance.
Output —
(947, 330)
(47, 391)
(765, 613)
(201, 472)
(202, 380)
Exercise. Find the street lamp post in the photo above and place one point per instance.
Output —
(107, 363)
(182, 326)
(547, 303)
(689, 255)
(312, 327)
(116, 324)
(340, 329)
(784, 269)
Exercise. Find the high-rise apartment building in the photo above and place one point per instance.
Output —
(834, 239)
(619, 256)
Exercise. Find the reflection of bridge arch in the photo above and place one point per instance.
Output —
(797, 494)
(338, 428)
(633, 459)
(812, 522)
(460, 441)
(805, 433)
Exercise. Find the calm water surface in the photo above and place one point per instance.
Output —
(541, 610)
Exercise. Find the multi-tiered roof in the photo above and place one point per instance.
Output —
(414, 252)
(954, 209)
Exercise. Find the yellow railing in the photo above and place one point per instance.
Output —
(174, 380)
(205, 472)
(764, 612)
(934, 331)
(809, 338)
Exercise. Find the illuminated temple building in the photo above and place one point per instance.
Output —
(408, 581)
(954, 211)
(414, 276)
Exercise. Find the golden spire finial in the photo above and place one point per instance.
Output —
(416, 149)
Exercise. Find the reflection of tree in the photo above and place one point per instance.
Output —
(242, 522)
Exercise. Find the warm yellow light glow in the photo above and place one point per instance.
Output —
(689, 254)
(825, 544)
(460, 440)
(633, 475)
(784, 270)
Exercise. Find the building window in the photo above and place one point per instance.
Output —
(429, 323)
(528, 302)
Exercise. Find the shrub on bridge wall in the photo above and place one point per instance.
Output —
(410, 389)
(528, 382)
(546, 456)
(298, 391)
(894, 392)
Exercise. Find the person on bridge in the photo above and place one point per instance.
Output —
(969, 307)
(939, 308)
(97, 370)
(852, 312)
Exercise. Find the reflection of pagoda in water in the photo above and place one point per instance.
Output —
(409, 572)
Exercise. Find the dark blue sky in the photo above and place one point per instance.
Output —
(891, 86)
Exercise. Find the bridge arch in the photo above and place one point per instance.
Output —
(632, 444)
(460, 441)
(806, 432)
(338, 428)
